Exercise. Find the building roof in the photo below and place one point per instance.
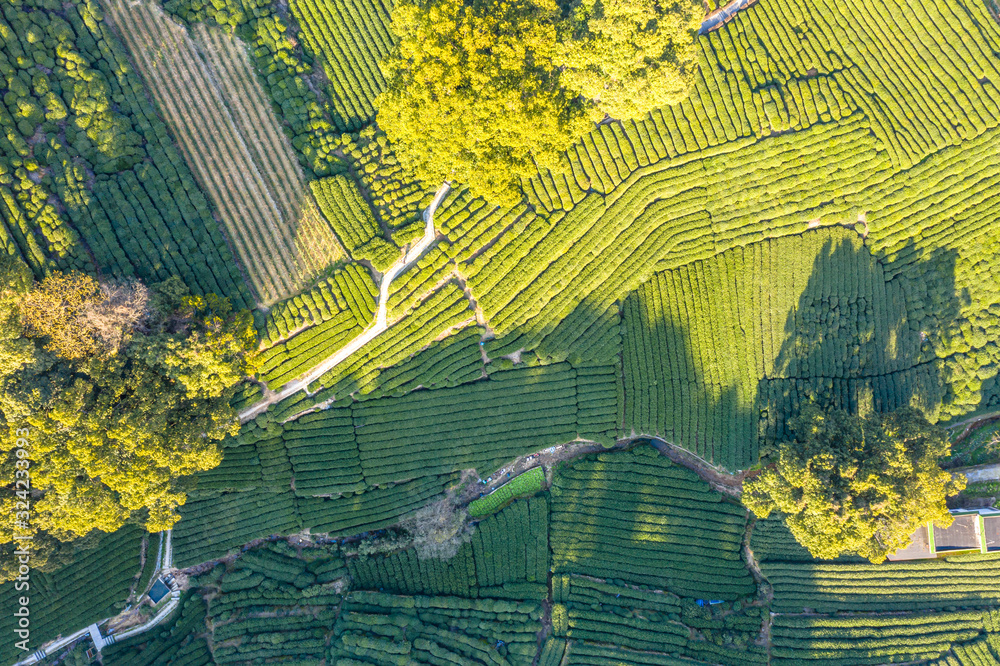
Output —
(158, 591)
(963, 534)
(919, 548)
(973, 529)
(991, 532)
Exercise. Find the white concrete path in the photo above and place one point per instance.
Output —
(377, 327)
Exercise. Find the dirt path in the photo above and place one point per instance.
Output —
(724, 482)
(980, 472)
(379, 325)
(971, 424)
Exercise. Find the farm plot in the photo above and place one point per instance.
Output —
(968, 581)
(436, 629)
(507, 557)
(229, 135)
(859, 640)
(634, 516)
(607, 623)
(315, 324)
(984, 651)
(323, 453)
(351, 218)
(478, 425)
(93, 586)
(117, 198)
(777, 137)
(718, 353)
(350, 37)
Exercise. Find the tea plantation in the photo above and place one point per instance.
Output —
(575, 382)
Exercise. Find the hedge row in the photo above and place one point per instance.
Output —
(479, 425)
(870, 639)
(118, 198)
(394, 629)
(524, 484)
(323, 453)
(350, 37)
(812, 306)
(967, 581)
(507, 550)
(93, 586)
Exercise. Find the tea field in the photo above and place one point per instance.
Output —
(619, 557)
(815, 223)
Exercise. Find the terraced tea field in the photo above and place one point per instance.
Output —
(205, 85)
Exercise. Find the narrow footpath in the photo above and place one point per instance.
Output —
(378, 326)
(723, 15)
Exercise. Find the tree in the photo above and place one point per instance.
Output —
(851, 484)
(630, 56)
(123, 394)
(486, 92)
(473, 95)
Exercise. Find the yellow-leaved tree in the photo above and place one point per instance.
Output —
(630, 56)
(473, 94)
(119, 391)
(857, 485)
(487, 92)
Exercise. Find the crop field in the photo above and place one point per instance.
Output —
(352, 220)
(350, 37)
(702, 191)
(207, 90)
(854, 585)
(637, 517)
(507, 557)
(301, 331)
(968, 581)
(725, 322)
(638, 625)
(815, 223)
(870, 639)
(93, 586)
(117, 198)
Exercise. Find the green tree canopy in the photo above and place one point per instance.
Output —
(857, 485)
(122, 394)
(630, 56)
(473, 95)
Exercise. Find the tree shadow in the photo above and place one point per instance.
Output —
(719, 354)
(671, 393)
(862, 337)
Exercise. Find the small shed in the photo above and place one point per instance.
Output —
(963, 534)
(920, 547)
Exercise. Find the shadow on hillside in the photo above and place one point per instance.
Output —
(718, 364)
(861, 340)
